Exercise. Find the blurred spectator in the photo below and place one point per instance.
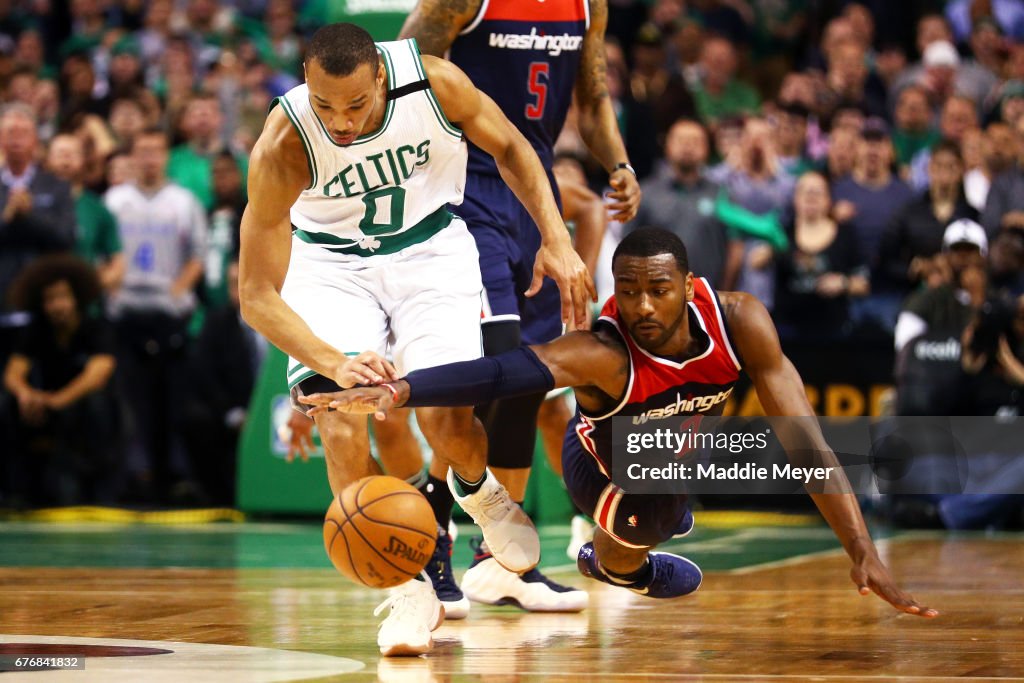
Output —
(88, 25)
(78, 87)
(126, 76)
(1004, 205)
(755, 191)
(866, 202)
(959, 115)
(777, 28)
(842, 152)
(120, 168)
(791, 138)
(277, 39)
(191, 163)
(686, 40)
(154, 35)
(915, 235)
(728, 18)
(30, 52)
(999, 149)
(719, 94)
(208, 28)
(954, 286)
(653, 85)
(223, 367)
(46, 104)
(21, 85)
(913, 131)
(847, 80)
(941, 71)
(1006, 263)
(988, 48)
(224, 220)
(163, 229)
(127, 119)
(975, 182)
(65, 445)
(1007, 14)
(679, 198)
(822, 271)
(98, 239)
(38, 212)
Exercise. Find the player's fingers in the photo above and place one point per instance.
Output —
(390, 370)
(314, 400)
(537, 281)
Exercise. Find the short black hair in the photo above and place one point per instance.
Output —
(949, 147)
(647, 242)
(342, 48)
(26, 292)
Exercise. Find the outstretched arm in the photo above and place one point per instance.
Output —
(582, 360)
(488, 128)
(435, 23)
(781, 392)
(598, 125)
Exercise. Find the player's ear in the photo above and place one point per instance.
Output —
(382, 73)
(688, 286)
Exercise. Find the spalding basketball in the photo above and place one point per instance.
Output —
(380, 532)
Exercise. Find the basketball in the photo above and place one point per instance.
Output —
(379, 532)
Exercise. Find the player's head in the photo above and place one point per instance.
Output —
(345, 78)
(653, 283)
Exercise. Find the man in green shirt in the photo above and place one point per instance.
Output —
(191, 163)
(98, 240)
(719, 95)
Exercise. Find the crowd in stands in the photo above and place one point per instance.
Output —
(858, 166)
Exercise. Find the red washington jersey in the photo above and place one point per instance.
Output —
(660, 387)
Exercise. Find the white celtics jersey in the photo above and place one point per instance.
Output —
(388, 189)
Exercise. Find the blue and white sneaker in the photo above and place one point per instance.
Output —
(439, 569)
(488, 582)
(672, 576)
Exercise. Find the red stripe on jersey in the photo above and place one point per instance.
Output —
(536, 10)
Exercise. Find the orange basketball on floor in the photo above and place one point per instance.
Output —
(380, 532)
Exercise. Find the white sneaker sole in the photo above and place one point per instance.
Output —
(414, 649)
(492, 585)
(459, 609)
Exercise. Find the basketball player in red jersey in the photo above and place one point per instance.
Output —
(665, 332)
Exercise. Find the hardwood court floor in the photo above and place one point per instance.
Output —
(795, 619)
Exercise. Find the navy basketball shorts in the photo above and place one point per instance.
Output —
(507, 240)
(634, 520)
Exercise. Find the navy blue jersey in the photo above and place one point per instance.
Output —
(525, 55)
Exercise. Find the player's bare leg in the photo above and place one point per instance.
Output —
(346, 442)
(397, 447)
(458, 439)
(654, 574)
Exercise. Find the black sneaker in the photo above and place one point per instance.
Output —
(439, 569)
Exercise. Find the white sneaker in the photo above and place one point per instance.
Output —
(488, 582)
(509, 533)
(582, 531)
(415, 612)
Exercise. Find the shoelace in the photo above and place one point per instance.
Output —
(396, 602)
(497, 501)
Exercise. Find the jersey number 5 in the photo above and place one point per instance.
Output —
(539, 89)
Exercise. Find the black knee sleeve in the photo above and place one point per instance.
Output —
(511, 423)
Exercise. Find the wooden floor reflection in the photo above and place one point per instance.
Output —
(802, 620)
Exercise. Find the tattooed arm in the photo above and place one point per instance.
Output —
(435, 23)
(597, 123)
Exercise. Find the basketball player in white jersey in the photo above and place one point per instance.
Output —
(347, 245)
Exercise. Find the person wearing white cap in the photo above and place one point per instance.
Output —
(956, 285)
